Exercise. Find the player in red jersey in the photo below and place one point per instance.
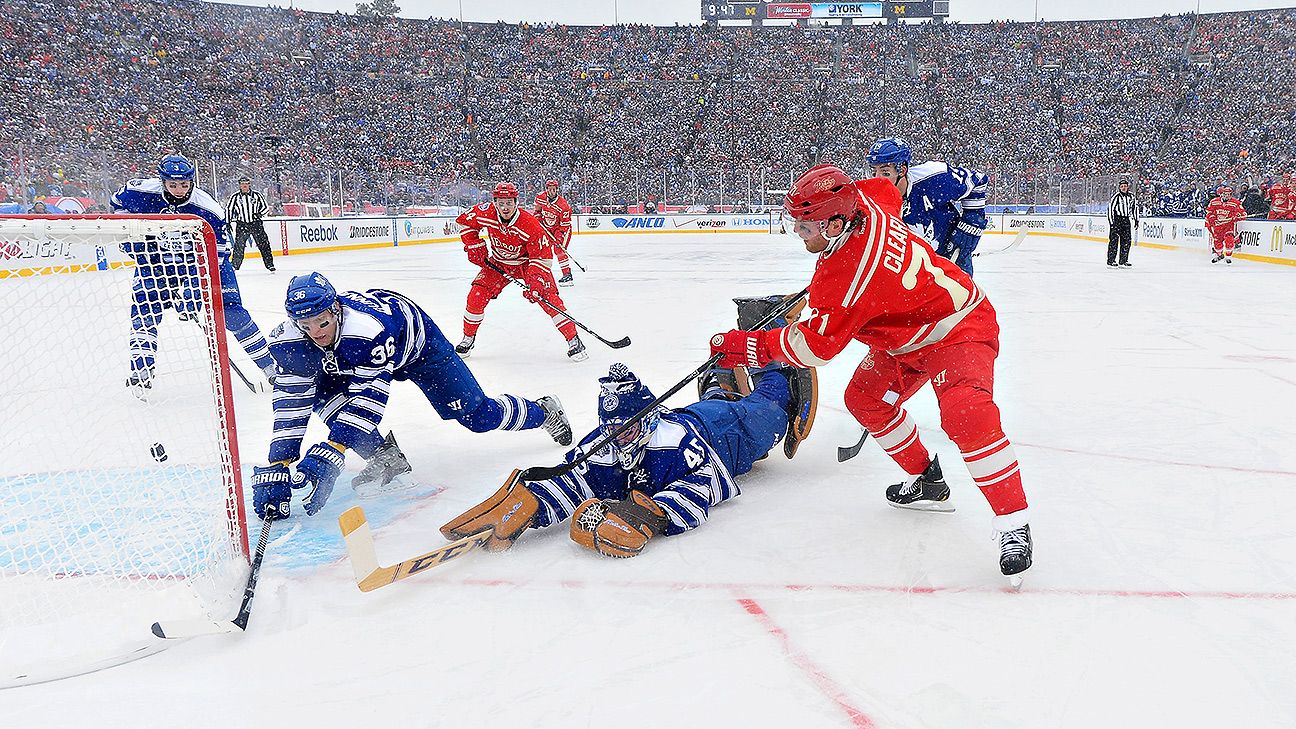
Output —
(1222, 216)
(519, 246)
(924, 321)
(1280, 198)
(555, 215)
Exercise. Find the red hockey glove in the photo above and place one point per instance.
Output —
(477, 256)
(536, 288)
(740, 349)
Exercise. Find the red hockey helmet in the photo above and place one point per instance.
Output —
(1224, 190)
(552, 183)
(505, 190)
(822, 192)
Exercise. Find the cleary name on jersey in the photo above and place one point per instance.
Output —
(679, 470)
(381, 333)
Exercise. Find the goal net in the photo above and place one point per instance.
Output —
(120, 504)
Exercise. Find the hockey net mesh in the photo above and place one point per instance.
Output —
(119, 505)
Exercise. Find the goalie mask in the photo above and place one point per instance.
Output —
(621, 397)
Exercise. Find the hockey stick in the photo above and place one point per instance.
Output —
(370, 575)
(194, 628)
(1021, 236)
(618, 344)
(543, 473)
(241, 376)
(845, 453)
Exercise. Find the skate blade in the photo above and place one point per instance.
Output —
(1015, 581)
(581, 357)
(403, 482)
(941, 507)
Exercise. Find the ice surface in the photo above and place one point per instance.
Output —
(1152, 413)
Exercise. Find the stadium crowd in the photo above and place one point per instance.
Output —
(425, 111)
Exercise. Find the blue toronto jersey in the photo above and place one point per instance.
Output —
(680, 471)
(145, 197)
(382, 335)
(946, 205)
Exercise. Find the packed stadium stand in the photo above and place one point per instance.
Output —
(400, 112)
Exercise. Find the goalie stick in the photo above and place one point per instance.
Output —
(543, 473)
(369, 575)
(173, 629)
(1021, 236)
(618, 344)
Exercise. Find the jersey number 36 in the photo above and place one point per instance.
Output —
(384, 352)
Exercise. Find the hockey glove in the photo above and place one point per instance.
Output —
(318, 471)
(740, 349)
(477, 256)
(271, 491)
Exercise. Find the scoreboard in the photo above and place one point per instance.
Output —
(781, 10)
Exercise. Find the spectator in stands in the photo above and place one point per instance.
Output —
(39, 208)
(1252, 201)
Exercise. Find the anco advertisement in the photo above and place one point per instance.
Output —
(678, 223)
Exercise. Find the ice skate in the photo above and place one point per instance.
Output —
(385, 472)
(566, 280)
(1228, 260)
(925, 492)
(1015, 553)
(718, 383)
(465, 346)
(576, 350)
(1217, 258)
(1126, 264)
(555, 423)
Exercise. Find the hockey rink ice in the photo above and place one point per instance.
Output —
(1151, 408)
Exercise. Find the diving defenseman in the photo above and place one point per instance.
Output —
(166, 269)
(337, 355)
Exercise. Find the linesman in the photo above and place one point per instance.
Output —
(1122, 221)
(245, 210)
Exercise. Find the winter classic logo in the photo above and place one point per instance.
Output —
(591, 223)
(610, 402)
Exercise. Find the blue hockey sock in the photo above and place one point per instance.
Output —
(506, 412)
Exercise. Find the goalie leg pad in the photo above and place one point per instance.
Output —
(510, 511)
(718, 383)
(618, 528)
(801, 408)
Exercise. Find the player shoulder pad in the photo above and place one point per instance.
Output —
(669, 434)
(202, 200)
(145, 184)
(484, 207)
(918, 173)
(883, 192)
(286, 331)
(357, 324)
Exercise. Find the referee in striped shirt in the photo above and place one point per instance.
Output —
(245, 209)
(1122, 220)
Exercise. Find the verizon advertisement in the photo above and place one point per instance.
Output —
(676, 223)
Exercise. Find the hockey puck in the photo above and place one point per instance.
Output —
(158, 452)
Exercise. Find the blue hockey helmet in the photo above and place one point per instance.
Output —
(176, 167)
(621, 397)
(889, 151)
(309, 295)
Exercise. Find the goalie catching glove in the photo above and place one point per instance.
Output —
(618, 528)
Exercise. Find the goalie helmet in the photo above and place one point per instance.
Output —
(621, 397)
(889, 151)
(505, 190)
(309, 295)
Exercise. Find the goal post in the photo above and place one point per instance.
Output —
(121, 498)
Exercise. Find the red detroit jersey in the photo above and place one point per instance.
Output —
(884, 286)
(556, 213)
(513, 242)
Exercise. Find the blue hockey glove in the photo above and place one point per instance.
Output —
(271, 491)
(318, 471)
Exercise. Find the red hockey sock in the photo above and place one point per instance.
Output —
(899, 438)
(995, 471)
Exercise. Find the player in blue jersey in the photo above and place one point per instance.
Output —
(943, 203)
(337, 357)
(663, 474)
(166, 269)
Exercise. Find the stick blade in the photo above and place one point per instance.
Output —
(621, 343)
(180, 629)
(359, 543)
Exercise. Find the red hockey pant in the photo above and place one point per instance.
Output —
(488, 285)
(562, 239)
(962, 374)
(1223, 243)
